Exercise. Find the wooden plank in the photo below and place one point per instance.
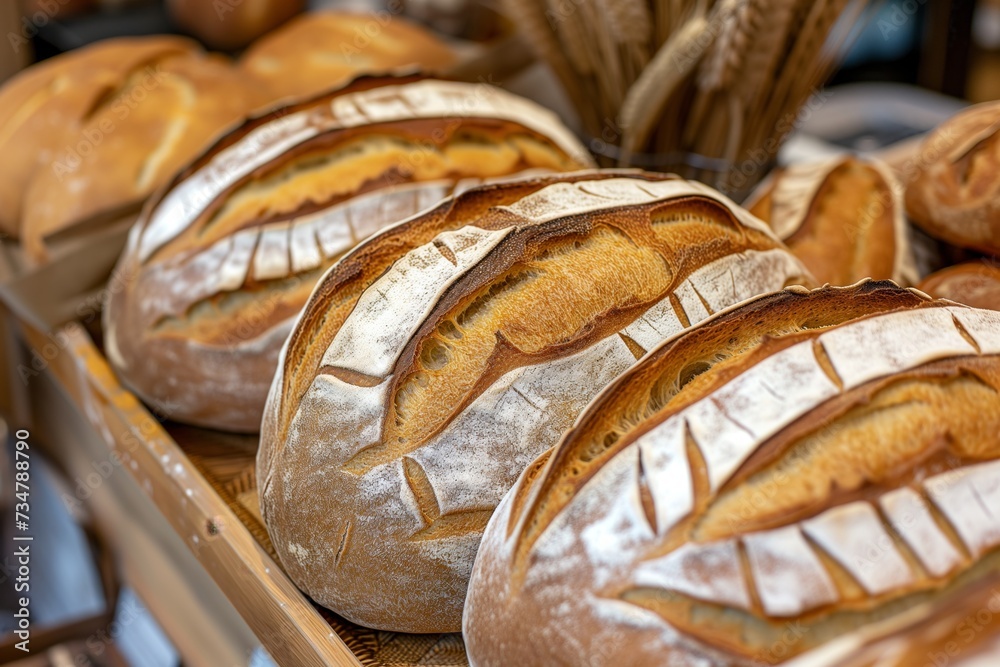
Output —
(282, 618)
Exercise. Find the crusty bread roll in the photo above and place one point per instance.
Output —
(221, 263)
(90, 134)
(842, 217)
(954, 194)
(320, 50)
(232, 25)
(402, 413)
(792, 470)
(975, 284)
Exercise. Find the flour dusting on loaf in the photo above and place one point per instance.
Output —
(824, 458)
(227, 256)
(487, 341)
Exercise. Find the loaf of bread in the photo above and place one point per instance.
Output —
(39, 102)
(222, 262)
(89, 135)
(954, 194)
(843, 218)
(411, 394)
(792, 470)
(975, 284)
(319, 50)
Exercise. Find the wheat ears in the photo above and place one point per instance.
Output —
(719, 79)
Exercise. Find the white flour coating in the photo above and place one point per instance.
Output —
(423, 99)
(601, 544)
(970, 499)
(789, 577)
(910, 517)
(855, 537)
(516, 410)
(663, 451)
(708, 572)
(983, 326)
(394, 306)
(270, 261)
(655, 326)
(873, 348)
(562, 200)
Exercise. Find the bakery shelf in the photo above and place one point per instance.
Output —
(202, 483)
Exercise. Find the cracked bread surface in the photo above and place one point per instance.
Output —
(822, 460)
(415, 388)
(219, 266)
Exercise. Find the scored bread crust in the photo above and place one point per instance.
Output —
(975, 284)
(954, 194)
(40, 103)
(222, 261)
(844, 218)
(318, 50)
(406, 405)
(789, 471)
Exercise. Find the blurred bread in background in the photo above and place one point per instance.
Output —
(321, 50)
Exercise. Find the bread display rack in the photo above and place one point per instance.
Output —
(198, 486)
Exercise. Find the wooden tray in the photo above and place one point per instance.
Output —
(202, 481)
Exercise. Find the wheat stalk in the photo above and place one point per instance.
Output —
(629, 21)
(669, 67)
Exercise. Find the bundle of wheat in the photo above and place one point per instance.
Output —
(659, 82)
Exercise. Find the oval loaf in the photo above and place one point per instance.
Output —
(800, 467)
(843, 218)
(954, 194)
(221, 263)
(402, 413)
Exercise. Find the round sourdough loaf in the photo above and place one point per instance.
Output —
(954, 194)
(89, 135)
(797, 468)
(975, 284)
(415, 388)
(219, 265)
(843, 218)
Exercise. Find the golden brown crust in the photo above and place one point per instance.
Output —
(41, 108)
(975, 284)
(416, 386)
(799, 461)
(843, 218)
(223, 260)
(134, 140)
(955, 195)
(320, 50)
